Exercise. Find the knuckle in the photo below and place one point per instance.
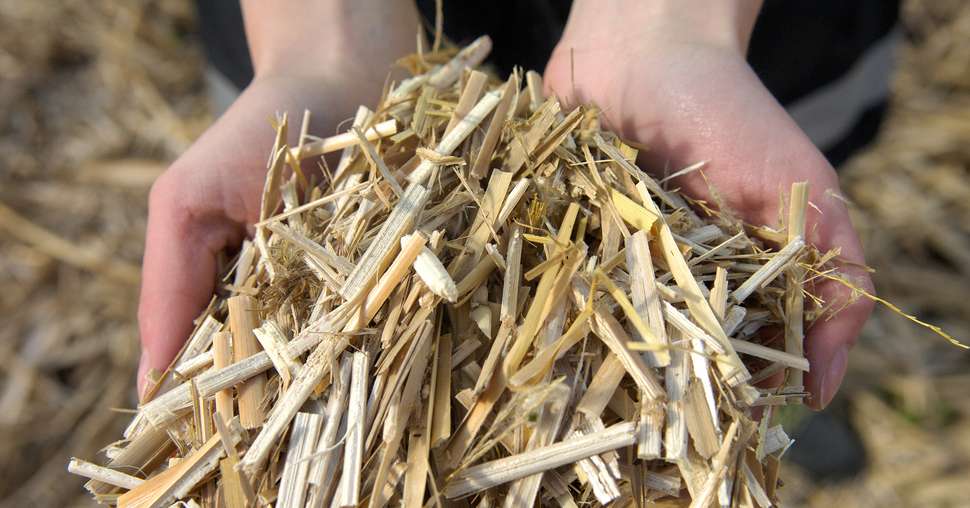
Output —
(169, 199)
(163, 189)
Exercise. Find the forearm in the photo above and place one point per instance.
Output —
(725, 23)
(339, 40)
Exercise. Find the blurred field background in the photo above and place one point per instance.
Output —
(96, 97)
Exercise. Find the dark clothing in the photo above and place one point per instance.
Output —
(797, 48)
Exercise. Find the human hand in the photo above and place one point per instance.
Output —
(200, 206)
(675, 79)
(204, 202)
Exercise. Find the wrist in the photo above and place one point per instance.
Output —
(327, 39)
(723, 24)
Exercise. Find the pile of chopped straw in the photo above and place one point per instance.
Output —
(486, 301)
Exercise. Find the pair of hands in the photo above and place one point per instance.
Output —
(680, 87)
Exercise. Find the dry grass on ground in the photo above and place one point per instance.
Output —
(98, 95)
(95, 96)
(906, 392)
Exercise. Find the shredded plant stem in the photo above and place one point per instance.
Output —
(489, 301)
(892, 307)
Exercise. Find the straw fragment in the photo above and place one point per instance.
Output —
(494, 301)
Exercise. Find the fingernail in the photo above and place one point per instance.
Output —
(143, 368)
(833, 376)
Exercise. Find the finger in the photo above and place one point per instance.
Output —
(178, 273)
(754, 195)
(828, 341)
(828, 227)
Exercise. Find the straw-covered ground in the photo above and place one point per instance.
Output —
(906, 392)
(97, 95)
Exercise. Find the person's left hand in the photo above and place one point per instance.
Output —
(682, 87)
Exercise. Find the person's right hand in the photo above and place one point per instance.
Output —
(307, 55)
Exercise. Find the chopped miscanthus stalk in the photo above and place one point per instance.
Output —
(490, 299)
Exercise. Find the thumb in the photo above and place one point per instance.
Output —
(178, 272)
